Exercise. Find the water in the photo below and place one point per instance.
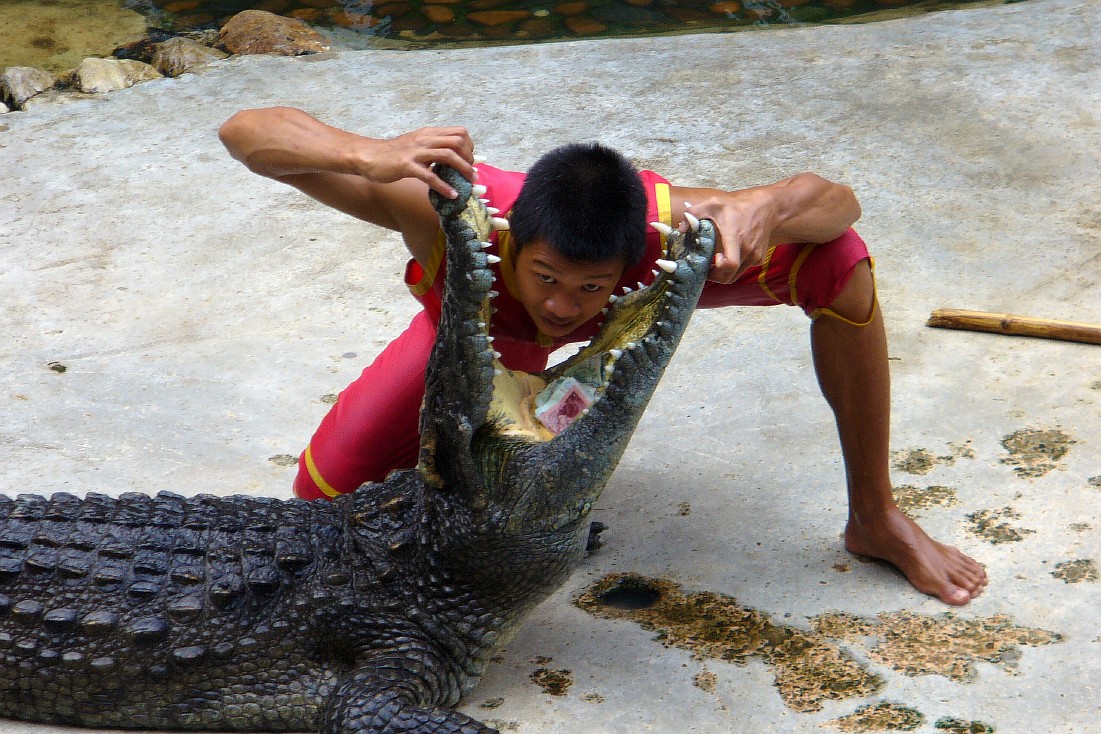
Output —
(57, 34)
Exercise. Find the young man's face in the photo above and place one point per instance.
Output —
(562, 294)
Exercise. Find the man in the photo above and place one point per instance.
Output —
(787, 242)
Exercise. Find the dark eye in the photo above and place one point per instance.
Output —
(543, 278)
(592, 288)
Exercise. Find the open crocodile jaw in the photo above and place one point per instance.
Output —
(620, 368)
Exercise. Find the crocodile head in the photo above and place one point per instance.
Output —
(479, 432)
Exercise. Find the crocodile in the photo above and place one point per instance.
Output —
(375, 612)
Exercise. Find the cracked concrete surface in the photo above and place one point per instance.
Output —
(172, 322)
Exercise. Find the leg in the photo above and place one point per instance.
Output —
(851, 362)
(392, 697)
(373, 427)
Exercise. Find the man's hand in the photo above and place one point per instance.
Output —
(803, 208)
(744, 221)
(282, 142)
(413, 155)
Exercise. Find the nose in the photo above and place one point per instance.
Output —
(562, 306)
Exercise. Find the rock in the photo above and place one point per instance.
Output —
(96, 76)
(438, 13)
(177, 55)
(571, 8)
(260, 32)
(583, 26)
(497, 17)
(20, 83)
(142, 49)
(52, 97)
(3, 108)
(726, 7)
(207, 36)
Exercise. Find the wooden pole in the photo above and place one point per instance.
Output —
(1004, 323)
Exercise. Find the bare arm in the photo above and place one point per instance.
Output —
(803, 208)
(385, 182)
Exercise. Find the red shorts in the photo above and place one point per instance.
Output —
(373, 428)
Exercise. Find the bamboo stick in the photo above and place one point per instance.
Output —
(1004, 323)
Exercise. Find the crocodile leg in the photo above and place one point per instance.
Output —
(388, 698)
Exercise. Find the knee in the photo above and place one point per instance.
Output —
(856, 301)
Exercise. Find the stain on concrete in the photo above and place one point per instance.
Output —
(1033, 452)
(1075, 572)
(502, 725)
(592, 698)
(993, 526)
(914, 461)
(960, 726)
(707, 681)
(1080, 527)
(923, 461)
(553, 682)
(684, 509)
(283, 460)
(492, 703)
(808, 669)
(880, 717)
(57, 367)
(1094, 481)
(943, 645)
(911, 499)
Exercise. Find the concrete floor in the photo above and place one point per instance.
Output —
(172, 322)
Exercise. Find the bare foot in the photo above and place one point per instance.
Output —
(934, 569)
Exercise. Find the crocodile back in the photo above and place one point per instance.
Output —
(103, 598)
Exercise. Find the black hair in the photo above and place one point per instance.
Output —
(586, 201)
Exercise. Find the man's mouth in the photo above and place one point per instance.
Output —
(559, 324)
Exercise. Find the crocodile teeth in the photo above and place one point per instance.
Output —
(479, 159)
(492, 259)
(662, 228)
(478, 190)
(616, 353)
(490, 339)
(692, 222)
(483, 201)
(498, 223)
(497, 372)
(492, 293)
(641, 285)
(496, 354)
(654, 272)
(493, 211)
(667, 265)
(613, 298)
(631, 345)
(626, 290)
